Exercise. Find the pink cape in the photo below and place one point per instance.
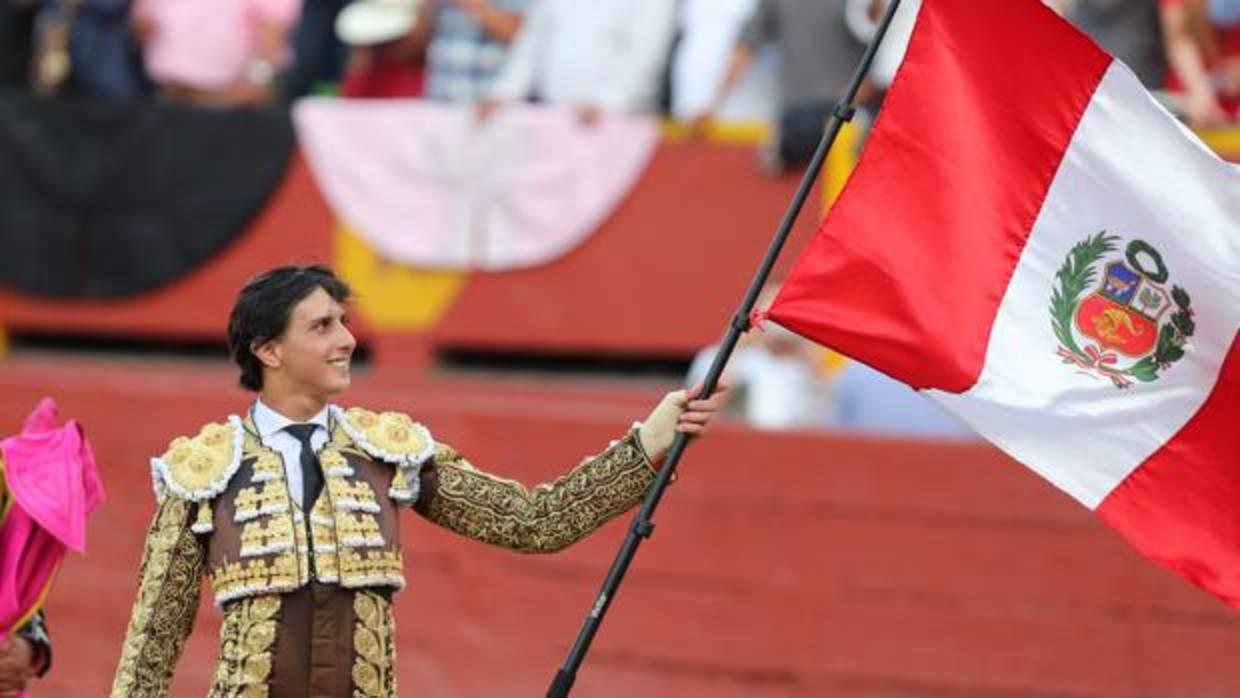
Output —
(51, 475)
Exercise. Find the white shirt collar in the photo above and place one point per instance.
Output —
(268, 422)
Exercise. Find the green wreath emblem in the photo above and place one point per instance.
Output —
(1077, 274)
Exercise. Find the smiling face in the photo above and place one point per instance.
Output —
(311, 358)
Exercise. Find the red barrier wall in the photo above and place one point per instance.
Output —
(782, 565)
(662, 276)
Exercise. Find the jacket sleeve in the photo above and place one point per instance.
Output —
(167, 602)
(35, 632)
(551, 516)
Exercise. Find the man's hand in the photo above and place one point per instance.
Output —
(16, 660)
(679, 411)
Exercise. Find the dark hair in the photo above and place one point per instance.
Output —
(263, 307)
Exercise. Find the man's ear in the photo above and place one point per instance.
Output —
(268, 353)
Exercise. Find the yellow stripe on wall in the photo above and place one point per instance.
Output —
(391, 296)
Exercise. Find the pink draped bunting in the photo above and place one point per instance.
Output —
(429, 185)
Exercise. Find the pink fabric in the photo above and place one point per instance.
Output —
(428, 186)
(207, 44)
(54, 483)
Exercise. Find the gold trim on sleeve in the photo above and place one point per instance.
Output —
(167, 601)
(551, 516)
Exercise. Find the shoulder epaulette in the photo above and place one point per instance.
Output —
(198, 469)
(391, 437)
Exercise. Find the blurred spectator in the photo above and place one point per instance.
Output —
(469, 45)
(220, 53)
(388, 40)
(595, 55)
(709, 31)
(50, 61)
(863, 18)
(16, 42)
(1203, 51)
(1128, 29)
(868, 401)
(319, 57)
(86, 47)
(817, 55)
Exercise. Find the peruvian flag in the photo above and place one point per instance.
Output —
(1031, 240)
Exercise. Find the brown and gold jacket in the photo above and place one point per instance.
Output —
(225, 513)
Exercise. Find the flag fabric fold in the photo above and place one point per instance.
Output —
(1034, 242)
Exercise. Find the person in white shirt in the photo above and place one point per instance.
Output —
(709, 32)
(600, 55)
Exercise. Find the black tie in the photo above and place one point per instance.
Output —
(311, 472)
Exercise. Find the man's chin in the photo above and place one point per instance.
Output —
(337, 385)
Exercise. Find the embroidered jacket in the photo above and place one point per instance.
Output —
(289, 579)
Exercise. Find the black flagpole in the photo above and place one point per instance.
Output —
(642, 526)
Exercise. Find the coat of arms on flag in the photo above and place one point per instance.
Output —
(1124, 331)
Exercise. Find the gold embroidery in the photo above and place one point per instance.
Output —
(326, 567)
(277, 555)
(400, 483)
(301, 550)
(167, 601)
(259, 539)
(351, 495)
(247, 637)
(334, 463)
(228, 654)
(358, 531)
(267, 466)
(374, 647)
(237, 579)
(201, 465)
(549, 518)
(203, 522)
(391, 432)
(370, 567)
(268, 498)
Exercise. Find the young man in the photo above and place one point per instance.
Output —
(292, 510)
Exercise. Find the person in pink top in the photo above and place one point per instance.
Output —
(223, 53)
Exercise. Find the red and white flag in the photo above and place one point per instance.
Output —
(1034, 242)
